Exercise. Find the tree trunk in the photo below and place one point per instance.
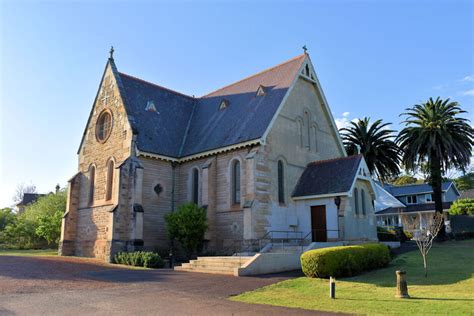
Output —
(424, 265)
(436, 181)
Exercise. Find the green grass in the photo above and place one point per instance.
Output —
(29, 252)
(448, 290)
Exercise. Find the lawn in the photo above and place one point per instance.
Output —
(449, 288)
(30, 252)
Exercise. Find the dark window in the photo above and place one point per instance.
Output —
(411, 199)
(307, 70)
(281, 178)
(91, 184)
(362, 198)
(195, 186)
(236, 183)
(110, 180)
(356, 201)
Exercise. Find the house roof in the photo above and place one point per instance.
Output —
(467, 194)
(414, 208)
(384, 200)
(401, 190)
(29, 198)
(183, 125)
(328, 176)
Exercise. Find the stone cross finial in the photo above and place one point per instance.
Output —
(111, 52)
(305, 49)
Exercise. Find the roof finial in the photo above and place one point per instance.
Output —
(111, 52)
(305, 49)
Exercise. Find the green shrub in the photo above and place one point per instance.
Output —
(385, 234)
(462, 207)
(145, 259)
(187, 225)
(344, 260)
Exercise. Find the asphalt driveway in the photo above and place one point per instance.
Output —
(77, 286)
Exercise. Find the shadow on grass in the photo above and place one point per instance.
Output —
(448, 263)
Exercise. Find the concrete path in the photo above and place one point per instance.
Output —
(73, 286)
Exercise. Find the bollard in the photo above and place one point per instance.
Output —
(332, 288)
(402, 288)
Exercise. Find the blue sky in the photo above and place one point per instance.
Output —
(373, 58)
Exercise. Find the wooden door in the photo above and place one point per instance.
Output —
(318, 223)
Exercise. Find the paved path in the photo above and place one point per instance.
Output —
(73, 286)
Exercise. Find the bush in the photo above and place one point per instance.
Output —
(344, 261)
(187, 225)
(462, 207)
(385, 234)
(145, 259)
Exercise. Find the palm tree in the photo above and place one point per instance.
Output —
(436, 136)
(376, 143)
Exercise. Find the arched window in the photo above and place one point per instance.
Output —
(299, 122)
(236, 182)
(281, 178)
(308, 130)
(195, 186)
(110, 180)
(362, 198)
(356, 201)
(91, 185)
(315, 137)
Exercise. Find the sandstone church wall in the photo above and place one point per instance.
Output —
(300, 134)
(94, 222)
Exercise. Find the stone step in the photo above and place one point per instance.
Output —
(217, 263)
(207, 270)
(227, 258)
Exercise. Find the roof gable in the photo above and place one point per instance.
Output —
(319, 178)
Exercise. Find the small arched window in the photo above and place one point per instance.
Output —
(306, 70)
(236, 182)
(362, 198)
(195, 186)
(356, 201)
(308, 130)
(281, 178)
(91, 185)
(299, 122)
(110, 180)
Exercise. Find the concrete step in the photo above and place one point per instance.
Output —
(207, 270)
(214, 265)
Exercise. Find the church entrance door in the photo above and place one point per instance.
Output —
(318, 223)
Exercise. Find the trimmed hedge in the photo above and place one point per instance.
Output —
(145, 259)
(344, 261)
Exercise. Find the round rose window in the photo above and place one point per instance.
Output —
(103, 126)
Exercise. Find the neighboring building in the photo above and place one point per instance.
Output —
(238, 151)
(417, 200)
(27, 199)
(467, 194)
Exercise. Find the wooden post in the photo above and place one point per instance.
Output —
(332, 288)
(402, 288)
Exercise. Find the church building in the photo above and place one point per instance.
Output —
(261, 155)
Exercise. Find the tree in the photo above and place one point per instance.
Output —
(187, 225)
(21, 189)
(424, 235)
(376, 144)
(435, 134)
(462, 207)
(404, 180)
(465, 182)
(46, 214)
(7, 216)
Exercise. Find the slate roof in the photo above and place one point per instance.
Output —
(29, 198)
(413, 188)
(183, 125)
(328, 176)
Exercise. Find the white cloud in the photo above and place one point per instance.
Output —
(469, 78)
(344, 120)
(468, 92)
